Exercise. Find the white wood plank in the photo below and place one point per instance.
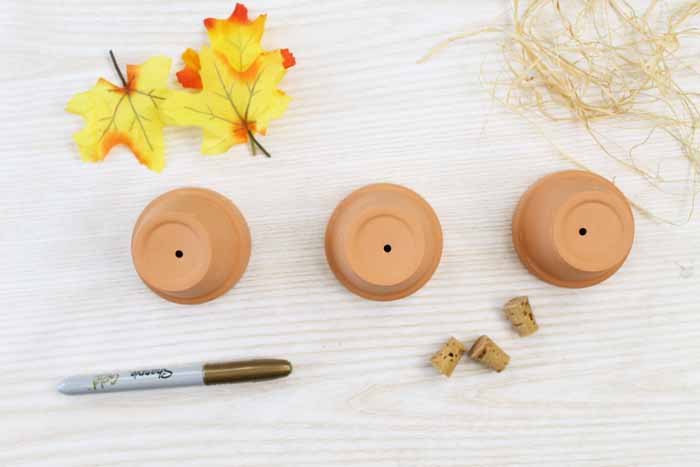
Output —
(611, 379)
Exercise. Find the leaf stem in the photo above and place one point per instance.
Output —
(244, 120)
(116, 67)
(257, 143)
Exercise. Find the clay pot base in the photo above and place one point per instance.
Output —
(573, 229)
(383, 242)
(191, 245)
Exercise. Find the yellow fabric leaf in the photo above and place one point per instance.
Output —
(237, 37)
(232, 104)
(125, 115)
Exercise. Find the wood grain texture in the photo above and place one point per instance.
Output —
(611, 378)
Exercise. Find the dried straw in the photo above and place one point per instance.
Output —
(595, 61)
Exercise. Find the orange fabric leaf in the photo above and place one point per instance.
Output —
(189, 75)
(289, 60)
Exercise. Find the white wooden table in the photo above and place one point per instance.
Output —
(611, 379)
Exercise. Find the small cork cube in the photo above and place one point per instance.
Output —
(447, 358)
(486, 352)
(519, 312)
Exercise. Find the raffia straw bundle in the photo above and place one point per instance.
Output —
(595, 61)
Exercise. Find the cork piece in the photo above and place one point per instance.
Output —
(519, 312)
(447, 358)
(486, 351)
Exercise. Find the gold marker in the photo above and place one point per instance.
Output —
(188, 375)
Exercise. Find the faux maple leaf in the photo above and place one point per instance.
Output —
(237, 37)
(127, 114)
(238, 83)
(232, 105)
(189, 76)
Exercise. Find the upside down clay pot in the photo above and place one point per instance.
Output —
(190, 245)
(573, 229)
(383, 242)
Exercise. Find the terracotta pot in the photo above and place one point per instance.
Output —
(190, 245)
(573, 229)
(383, 242)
